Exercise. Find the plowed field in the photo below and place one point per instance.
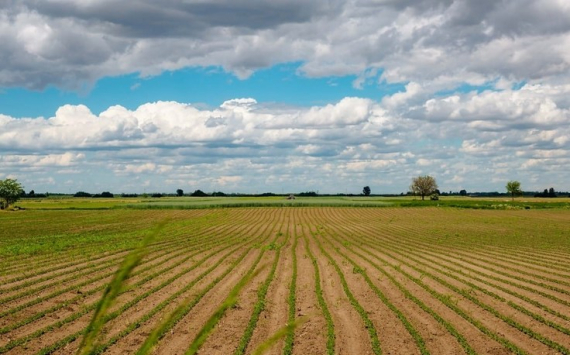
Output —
(345, 280)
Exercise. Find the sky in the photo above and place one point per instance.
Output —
(252, 96)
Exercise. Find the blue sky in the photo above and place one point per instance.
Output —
(288, 96)
(210, 86)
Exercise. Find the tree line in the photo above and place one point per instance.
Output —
(11, 191)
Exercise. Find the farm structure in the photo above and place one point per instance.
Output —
(287, 280)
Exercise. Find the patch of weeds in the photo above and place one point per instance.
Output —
(357, 270)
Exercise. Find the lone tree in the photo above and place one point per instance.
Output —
(423, 186)
(10, 192)
(366, 190)
(179, 192)
(514, 188)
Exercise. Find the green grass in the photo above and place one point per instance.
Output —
(499, 203)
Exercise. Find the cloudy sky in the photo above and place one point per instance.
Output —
(284, 96)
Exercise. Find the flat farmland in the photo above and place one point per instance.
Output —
(286, 280)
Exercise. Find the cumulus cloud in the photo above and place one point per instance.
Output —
(71, 43)
(470, 140)
(236, 123)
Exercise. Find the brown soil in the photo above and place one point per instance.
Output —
(385, 238)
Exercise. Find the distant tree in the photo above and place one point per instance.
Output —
(366, 190)
(32, 193)
(10, 192)
(129, 195)
(551, 192)
(199, 193)
(179, 192)
(218, 193)
(514, 188)
(423, 186)
(436, 191)
(463, 192)
(82, 194)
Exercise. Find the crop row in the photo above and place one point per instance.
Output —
(211, 242)
(397, 257)
(385, 281)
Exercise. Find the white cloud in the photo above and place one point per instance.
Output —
(467, 140)
(439, 44)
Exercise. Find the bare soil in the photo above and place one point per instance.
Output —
(422, 252)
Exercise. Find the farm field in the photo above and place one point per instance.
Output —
(346, 280)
